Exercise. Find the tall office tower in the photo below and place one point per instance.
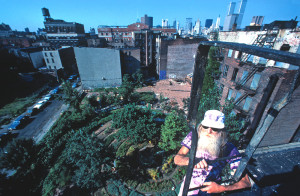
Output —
(257, 21)
(177, 26)
(231, 8)
(164, 23)
(147, 20)
(241, 13)
(218, 22)
(208, 23)
(174, 24)
(188, 25)
(197, 27)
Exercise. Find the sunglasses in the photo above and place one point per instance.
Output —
(214, 129)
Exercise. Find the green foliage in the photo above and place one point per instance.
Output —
(19, 105)
(87, 154)
(20, 155)
(112, 189)
(179, 174)
(109, 139)
(126, 89)
(134, 193)
(172, 132)
(212, 71)
(156, 186)
(59, 175)
(122, 150)
(71, 96)
(209, 101)
(93, 101)
(135, 124)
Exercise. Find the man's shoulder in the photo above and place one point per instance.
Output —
(230, 149)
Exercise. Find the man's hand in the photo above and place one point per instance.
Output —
(212, 187)
(201, 165)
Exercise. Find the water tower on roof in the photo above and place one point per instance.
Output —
(46, 14)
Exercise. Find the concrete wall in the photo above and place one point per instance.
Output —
(98, 67)
(37, 59)
(131, 60)
(181, 60)
(176, 57)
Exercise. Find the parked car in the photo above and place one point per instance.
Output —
(74, 85)
(28, 112)
(17, 122)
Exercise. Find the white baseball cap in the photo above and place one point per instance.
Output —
(214, 119)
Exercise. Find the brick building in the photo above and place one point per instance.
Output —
(122, 35)
(175, 58)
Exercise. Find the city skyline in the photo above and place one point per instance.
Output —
(122, 13)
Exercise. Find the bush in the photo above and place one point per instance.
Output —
(135, 124)
(109, 139)
(173, 131)
(122, 150)
(112, 189)
(156, 186)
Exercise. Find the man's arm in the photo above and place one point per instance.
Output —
(181, 159)
(212, 187)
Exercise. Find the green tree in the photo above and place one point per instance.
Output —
(70, 95)
(126, 88)
(212, 71)
(20, 155)
(135, 124)
(87, 154)
(173, 131)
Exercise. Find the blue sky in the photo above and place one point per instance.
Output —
(21, 13)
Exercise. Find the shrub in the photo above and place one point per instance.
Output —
(122, 150)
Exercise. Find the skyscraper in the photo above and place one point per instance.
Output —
(241, 13)
(147, 20)
(164, 23)
(218, 22)
(188, 25)
(232, 19)
(257, 21)
(208, 23)
(197, 27)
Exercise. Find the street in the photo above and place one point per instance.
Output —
(39, 124)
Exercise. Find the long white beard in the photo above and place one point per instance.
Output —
(209, 144)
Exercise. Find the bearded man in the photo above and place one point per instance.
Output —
(212, 144)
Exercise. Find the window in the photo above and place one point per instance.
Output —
(50, 67)
(250, 58)
(47, 60)
(51, 54)
(225, 70)
(237, 96)
(46, 55)
(229, 94)
(262, 60)
(247, 104)
(52, 60)
(236, 54)
(255, 81)
(229, 53)
(244, 76)
(234, 74)
(54, 67)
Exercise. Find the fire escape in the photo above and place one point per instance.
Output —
(263, 40)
